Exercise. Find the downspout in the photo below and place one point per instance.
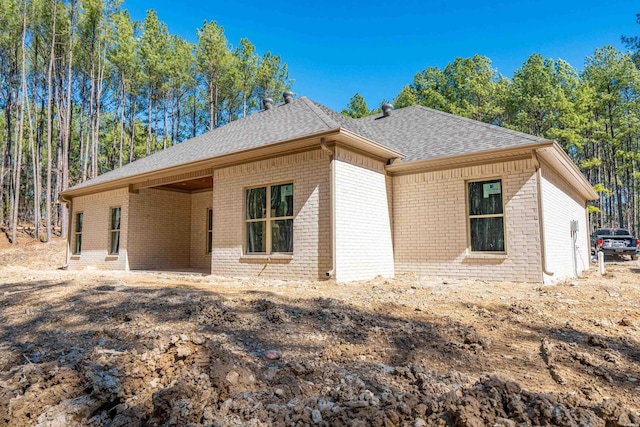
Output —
(69, 206)
(543, 255)
(332, 206)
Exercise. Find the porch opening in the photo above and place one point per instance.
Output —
(171, 226)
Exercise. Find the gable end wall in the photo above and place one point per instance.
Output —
(561, 205)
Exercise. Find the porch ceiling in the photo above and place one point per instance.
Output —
(190, 186)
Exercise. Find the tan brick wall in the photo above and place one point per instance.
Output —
(200, 202)
(364, 246)
(561, 205)
(95, 234)
(431, 225)
(309, 172)
(159, 230)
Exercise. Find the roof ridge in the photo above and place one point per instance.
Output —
(332, 124)
(478, 122)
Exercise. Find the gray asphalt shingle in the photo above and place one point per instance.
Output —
(417, 132)
(422, 133)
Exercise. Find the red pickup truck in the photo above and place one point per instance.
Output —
(615, 241)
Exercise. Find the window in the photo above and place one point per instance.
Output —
(269, 230)
(114, 231)
(486, 216)
(209, 230)
(77, 234)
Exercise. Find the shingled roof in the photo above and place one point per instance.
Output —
(417, 132)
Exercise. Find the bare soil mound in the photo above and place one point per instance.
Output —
(125, 349)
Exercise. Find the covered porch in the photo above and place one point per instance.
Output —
(171, 225)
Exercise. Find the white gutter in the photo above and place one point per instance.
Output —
(332, 205)
(543, 254)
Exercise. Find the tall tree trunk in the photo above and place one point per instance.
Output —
(212, 122)
(115, 143)
(244, 103)
(155, 125)
(37, 185)
(102, 54)
(67, 125)
(18, 139)
(121, 138)
(178, 119)
(132, 121)
(165, 135)
(216, 119)
(149, 119)
(91, 117)
(50, 120)
(194, 115)
(5, 165)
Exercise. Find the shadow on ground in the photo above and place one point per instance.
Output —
(113, 354)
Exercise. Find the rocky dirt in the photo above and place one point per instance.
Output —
(125, 349)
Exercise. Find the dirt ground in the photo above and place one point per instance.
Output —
(126, 349)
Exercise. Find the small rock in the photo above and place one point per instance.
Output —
(316, 417)
(419, 423)
(232, 377)
(183, 351)
(388, 369)
(272, 354)
(271, 373)
(279, 392)
(625, 322)
(597, 342)
(272, 407)
(324, 405)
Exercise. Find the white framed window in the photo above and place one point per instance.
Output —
(209, 230)
(77, 234)
(114, 231)
(486, 216)
(269, 219)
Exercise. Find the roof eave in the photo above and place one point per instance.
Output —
(467, 159)
(236, 157)
(562, 163)
(359, 142)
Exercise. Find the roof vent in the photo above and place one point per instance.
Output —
(386, 109)
(267, 103)
(288, 97)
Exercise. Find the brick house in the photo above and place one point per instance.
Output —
(298, 191)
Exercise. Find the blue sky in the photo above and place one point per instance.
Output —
(336, 48)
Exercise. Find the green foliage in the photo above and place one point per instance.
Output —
(272, 77)
(406, 97)
(600, 188)
(154, 51)
(594, 115)
(357, 107)
(131, 88)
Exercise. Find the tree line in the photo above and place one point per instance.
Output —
(594, 114)
(85, 89)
